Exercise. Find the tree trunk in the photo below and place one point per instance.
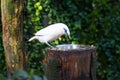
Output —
(12, 26)
(71, 62)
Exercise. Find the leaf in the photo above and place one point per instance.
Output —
(20, 74)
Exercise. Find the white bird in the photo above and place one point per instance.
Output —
(50, 33)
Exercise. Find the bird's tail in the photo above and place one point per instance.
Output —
(32, 38)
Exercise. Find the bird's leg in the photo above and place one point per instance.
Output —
(49, 45)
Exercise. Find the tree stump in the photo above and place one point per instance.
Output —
(71, 62)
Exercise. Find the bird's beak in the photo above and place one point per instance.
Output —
(69, 36)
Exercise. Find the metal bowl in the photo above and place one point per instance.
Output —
(71, 47)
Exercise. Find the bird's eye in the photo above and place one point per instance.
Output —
(65, 30)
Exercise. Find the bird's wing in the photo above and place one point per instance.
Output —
(52, 29)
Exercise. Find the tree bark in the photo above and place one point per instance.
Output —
(71, 64)
(12, 27)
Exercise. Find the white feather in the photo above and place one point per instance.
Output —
(32, 38)
(52, 29)
(50, 33)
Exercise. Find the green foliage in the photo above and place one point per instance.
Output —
(32, 16)
(21, 75)
(91, 22)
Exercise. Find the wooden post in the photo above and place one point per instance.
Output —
(71, 62)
